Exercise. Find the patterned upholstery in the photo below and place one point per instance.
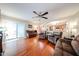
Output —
(42, 36)
(64, 48)
(75, 45)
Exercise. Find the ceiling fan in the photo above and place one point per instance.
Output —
(41, 15)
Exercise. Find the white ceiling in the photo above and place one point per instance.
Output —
(25, 11)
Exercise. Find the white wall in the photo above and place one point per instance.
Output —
(72, 25)
(0, 17)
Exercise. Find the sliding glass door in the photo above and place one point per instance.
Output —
(13, 29)
(10, 30)
(20, 30)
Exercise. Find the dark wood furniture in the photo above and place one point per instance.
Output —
(1, 35)
(31, 33)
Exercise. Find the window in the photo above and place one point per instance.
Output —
(20, 30)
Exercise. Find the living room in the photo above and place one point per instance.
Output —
(39, 29)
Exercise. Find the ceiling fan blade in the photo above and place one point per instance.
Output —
(35, 17)
(45, 17)
(44, 13)
(35, 12)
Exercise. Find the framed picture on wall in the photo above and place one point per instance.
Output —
(29, 26)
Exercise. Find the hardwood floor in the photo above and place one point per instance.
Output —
(31, 47)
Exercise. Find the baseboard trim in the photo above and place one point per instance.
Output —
(13, 39)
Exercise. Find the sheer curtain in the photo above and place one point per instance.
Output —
(9, 29)
(13, 29)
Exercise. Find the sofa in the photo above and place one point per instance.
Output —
(67, 47)
(42, 35)
(75, 45)
(54, 37)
